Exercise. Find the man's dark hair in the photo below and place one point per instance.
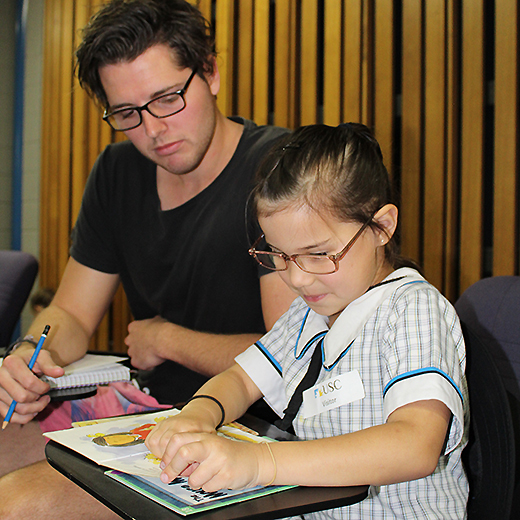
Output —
(123, 29)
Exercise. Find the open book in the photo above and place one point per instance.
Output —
(93, 369)
(118, 444)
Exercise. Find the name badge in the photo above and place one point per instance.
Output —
(332, 393)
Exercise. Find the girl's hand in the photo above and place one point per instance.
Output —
(216, 463)
(160, 436)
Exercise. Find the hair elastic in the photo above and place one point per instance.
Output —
(215, 400)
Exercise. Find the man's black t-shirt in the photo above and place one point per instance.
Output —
(189, 264)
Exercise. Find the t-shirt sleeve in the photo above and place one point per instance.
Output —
(93, 243)
(424, 358)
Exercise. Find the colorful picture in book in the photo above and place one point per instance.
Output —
(123, 439)
(118, 444)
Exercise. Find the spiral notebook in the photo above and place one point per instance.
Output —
(93, 369)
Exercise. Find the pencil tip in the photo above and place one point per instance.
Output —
(4, 425)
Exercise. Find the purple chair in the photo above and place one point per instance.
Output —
(490, 314)
(18, 271)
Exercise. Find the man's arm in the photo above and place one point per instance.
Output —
(74, 314)
(150, 342)
(276, 298)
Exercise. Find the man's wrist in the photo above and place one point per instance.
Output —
(14, 346)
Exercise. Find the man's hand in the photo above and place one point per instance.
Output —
(23, 385)
(144, 339)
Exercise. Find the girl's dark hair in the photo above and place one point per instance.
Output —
(334, 170)
(123, 29)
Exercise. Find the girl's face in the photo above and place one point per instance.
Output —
(300, 230)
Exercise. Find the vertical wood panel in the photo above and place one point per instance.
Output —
(285, 91)
(411, 145)
(224, 33)
(80, 110)
(66, 46)
(261, 62)
(434, 142)
(49, 239)
(332, 102)
(308, 61)
(384, 95)
(204, 7)
(472, 142)
(367, 64)
(352, 80)
(505, 230)
(452, 150)
(244, 73)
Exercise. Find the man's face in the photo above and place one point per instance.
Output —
(177, 143)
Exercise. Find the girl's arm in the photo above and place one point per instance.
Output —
(406, 447)
(232, 388)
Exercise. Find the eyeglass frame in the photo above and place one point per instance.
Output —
(181, 92)
(335, 259)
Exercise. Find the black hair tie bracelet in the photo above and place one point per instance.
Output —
(215, 400)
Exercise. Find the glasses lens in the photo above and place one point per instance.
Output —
(271, 261)
(166, 105)
(124, 119)
(315, 264)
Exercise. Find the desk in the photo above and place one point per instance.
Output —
(133, 506)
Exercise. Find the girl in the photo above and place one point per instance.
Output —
(368, 363)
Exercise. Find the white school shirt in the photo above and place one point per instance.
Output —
(399, 343)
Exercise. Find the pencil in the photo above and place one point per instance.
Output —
(31, 365)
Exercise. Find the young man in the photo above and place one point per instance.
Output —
(163, 213)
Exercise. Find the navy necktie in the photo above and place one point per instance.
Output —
(309, 379)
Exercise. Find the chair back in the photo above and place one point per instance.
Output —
(491, 309)
(490, 314)
(489, 457)
(18, 271)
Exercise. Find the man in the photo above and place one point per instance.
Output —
(163, 213)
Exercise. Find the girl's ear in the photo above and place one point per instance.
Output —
(386, 217)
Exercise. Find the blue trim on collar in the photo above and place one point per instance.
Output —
(313, 340)
(338, 359)
(316, 337)
(419, 372)
(304, 321)
(412, 282)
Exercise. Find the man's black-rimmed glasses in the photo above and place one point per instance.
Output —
(160, 107)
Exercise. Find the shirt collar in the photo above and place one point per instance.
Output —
(350, 322)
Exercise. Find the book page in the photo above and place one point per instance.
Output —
(119, 443)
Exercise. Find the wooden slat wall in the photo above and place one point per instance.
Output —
(472, 142)
(411, 137)
(505, 230)
(437, 81)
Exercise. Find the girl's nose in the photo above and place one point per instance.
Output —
(152, 125)
(298, 278)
